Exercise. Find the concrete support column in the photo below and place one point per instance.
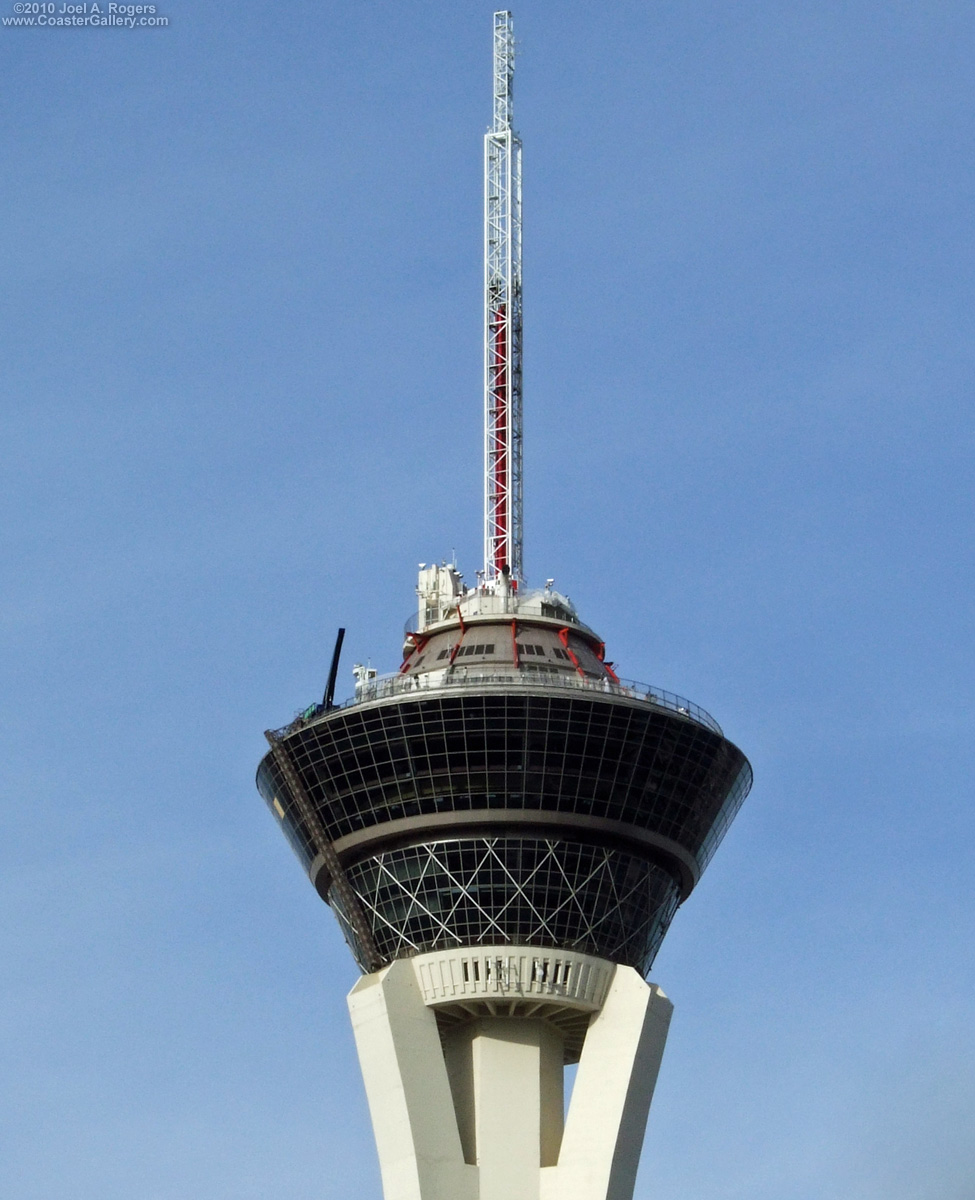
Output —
(408, 1090)
(611, 1097)
(506, 1075)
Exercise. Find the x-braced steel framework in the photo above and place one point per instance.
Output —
(503, 317)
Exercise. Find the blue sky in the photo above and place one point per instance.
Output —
(241, 401)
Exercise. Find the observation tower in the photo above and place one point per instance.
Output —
(504, 829)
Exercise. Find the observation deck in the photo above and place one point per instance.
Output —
(505, 786)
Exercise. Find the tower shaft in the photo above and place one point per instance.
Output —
(462, 1056)
(502, 321)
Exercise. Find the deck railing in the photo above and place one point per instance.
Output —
(386, 686)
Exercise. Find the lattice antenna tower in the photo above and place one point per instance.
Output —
(502, 322)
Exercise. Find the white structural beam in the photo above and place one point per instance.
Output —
(408, 1090)
(502, 321)
(476, 1114)
(611, 1098)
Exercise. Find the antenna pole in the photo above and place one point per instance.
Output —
(330, 686)
(502, 321)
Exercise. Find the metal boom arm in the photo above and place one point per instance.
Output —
(502, 317)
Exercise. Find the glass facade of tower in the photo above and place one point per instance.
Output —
(384, 777)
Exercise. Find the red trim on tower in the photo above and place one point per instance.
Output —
(564, 639)
(456, 649)
(601, 655)
(419, 640)
(499, 499)
(514, 643)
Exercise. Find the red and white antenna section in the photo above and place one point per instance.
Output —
(502, 322)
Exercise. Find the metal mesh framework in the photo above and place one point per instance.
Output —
(503, 321)
(590, 816)
(513, 891)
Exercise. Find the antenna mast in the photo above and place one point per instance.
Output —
(502, 320)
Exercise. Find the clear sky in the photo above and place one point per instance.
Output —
(241, 401)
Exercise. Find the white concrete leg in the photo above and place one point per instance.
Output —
(611, 1098)
(408, 1091)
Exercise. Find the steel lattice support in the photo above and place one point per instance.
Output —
(503, 320)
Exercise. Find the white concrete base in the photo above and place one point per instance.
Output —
(478, 1115)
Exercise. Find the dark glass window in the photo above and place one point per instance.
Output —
(463, 750)
(573, 754)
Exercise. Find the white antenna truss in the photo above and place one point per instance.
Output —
(502, 321)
